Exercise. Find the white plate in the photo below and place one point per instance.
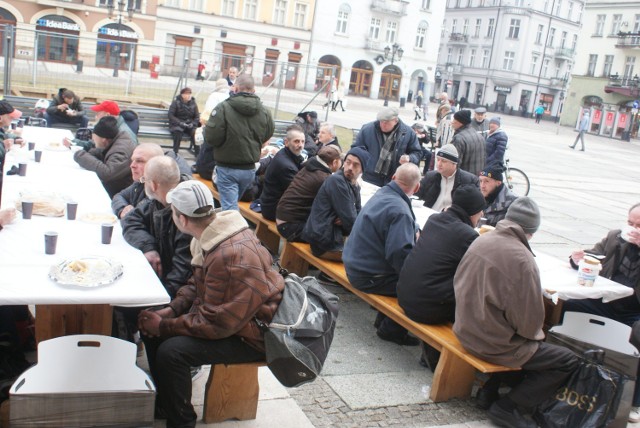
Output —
(56, 147)
(98, 218)
(86, 272)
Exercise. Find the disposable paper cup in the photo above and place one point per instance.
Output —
(22, 169)
(50, 242)
(31, 145)
(72, 209)
(27, 209)
(38, 155)
(107, 232)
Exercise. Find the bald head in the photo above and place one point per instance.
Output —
(162, 170)
(141, 155)
(407, 176)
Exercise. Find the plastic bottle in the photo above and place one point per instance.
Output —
(588, 271)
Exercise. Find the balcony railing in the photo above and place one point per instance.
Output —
(391, 7)
(628, 40)
(564, 53)
(458, 38)
(454, 68)
(624, 82)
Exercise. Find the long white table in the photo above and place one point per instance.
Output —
(24, 266)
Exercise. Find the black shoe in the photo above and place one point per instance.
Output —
(509, 419)
(486, 397)
(405, 340)
(572, 147)
(379, 318)
(159, 413)
(582, 150)
(323, 277)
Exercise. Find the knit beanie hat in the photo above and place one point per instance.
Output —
(525, 212)
(449, 152)
(469, 198)
(495, 120)
(107, 127)
(463, 116)
(361, 154)
(494, 172)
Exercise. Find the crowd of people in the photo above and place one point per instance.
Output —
(220, 278)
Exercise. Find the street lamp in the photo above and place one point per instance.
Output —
(121, 7)
(391, 53)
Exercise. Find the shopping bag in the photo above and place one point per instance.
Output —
(589, 399)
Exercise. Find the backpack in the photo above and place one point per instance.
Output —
(298, 339)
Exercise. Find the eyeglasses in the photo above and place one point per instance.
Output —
(142, 179)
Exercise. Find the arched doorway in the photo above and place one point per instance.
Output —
(57, 39)
(390, 83)
(6, 19)
(361, 76)
(417, 84)
(325, 69)
(116, 45)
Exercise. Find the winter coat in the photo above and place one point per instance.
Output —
(499, 306)
(481, 128)
(183, 113)
(131, 195)
(295, 204)
(498, 203)
(430, 185)
(280, 172)
(150, 227)
(233, 283)
(425, 287)
(337, 199)
(471, 149)
(370, 138)
(237, 129)
(495, 146)
(76, 105)
(111, 163)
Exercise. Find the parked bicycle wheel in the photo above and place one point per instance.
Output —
(518, 182)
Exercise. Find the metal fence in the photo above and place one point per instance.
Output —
(37, 63)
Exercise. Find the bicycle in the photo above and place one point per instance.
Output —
(516, 179)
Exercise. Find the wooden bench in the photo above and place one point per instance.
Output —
(455, 372)
(27, 106)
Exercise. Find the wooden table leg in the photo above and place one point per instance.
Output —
(63, 320)
(552, 313)
(291, 261)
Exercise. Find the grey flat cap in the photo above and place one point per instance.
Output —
(388, 113)
(480, 110)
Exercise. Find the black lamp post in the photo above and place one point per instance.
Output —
(391, 53)
(120, 7)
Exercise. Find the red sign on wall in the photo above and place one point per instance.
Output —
(608, 120)
(597, 116)
(622, 123)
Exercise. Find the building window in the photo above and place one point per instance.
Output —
(600, 20)
(591, 68)
(168, 3)
(449, 55)
(514, 29)
(552, 35)
(196, 5)
(545, 67)
(558, 7)
(563, 39)
(460, 56)
(426, 4)
(421, 34)
(478, 26)
(574, 43)
(507, 64)
(628, 67)
(608, 65)
(539, 34)
(492, 23)
(570, 11)
(465, 27)
(374, 29)
(57, 39)
(534, 64)
(228, 7)
(343, 18)
(472, 58)
(300, 15)
(485, 58)
(546, 6)
(280, 12)
(392, 28)
(454, 26)
(250, 9)
(615, 25)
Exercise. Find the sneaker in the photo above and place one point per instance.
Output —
(196, 372)
(634, 415)
(509, 419)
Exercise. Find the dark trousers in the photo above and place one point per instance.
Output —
(546, 371)
(170, 361)
(52, 119)
(385, 286)
(625, 310)
(177, 138)
(292, 232)
(580, 137)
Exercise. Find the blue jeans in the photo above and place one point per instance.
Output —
(232, 183)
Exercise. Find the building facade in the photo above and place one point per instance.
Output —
(383, 49)
(509, 55)
(605, 78)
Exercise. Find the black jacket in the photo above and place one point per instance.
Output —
(75, 105)
(284, 166)
(150, 227)
(430, 185)
(337, 199)
(130, 117)
(425, 286)
(185, 113)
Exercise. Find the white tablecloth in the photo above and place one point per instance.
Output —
(24, 266)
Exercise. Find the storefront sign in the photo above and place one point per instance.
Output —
(597, 116)
(23, 52)
(608, 120)
(622, 121)
(118, 33)
(60, 25)
(504, 89)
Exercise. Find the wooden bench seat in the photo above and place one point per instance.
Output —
(455, 373)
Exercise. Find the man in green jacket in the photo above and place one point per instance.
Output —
(237, 130)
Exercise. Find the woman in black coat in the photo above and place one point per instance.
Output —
(184, 118)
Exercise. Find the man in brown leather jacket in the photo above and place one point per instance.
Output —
(212, 319)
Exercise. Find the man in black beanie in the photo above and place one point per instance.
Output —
(425, 287)
(496, 194)
(468, 142)
(111, 157)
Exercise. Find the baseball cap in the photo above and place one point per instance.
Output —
(189, 197)
(107, 106)
(6, 108)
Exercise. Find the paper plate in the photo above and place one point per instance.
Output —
(56, 147)
(98, 218)
(86, 271)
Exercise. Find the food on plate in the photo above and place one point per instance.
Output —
(86, 271)
(44, 204)
(99, 218)
(78, 266)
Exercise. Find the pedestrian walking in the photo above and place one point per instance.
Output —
(539, 111)
(582, 128)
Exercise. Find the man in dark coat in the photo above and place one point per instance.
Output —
(497, 195)
(391, 143)
(437, 186)
(479, 122)
(336, 207)
(66, 108)
(280, 172)
(308, 121)
(294, 206)
(496, 145)
(470, 144)
(184, 118)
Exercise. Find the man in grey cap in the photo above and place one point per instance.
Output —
(437, 186)
(391, 143)
(479, 122)
(500, 313)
